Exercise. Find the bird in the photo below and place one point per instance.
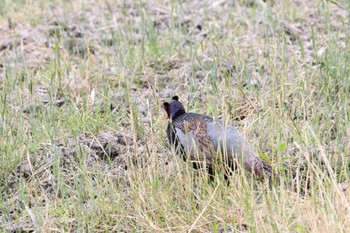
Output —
(204, 140)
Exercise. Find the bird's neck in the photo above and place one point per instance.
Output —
(178, 113)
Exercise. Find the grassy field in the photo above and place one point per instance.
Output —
(82, 132)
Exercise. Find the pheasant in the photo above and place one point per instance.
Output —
(203, 139)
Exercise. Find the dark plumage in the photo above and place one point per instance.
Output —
(200, 137)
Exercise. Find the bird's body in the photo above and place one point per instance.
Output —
(203, 139)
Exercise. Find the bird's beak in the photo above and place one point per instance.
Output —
(166, 107)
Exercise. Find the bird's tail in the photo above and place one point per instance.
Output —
(255, 164)
(262, 168)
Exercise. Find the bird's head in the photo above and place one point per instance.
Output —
(174, 108)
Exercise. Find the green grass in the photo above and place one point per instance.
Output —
(278, 70)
